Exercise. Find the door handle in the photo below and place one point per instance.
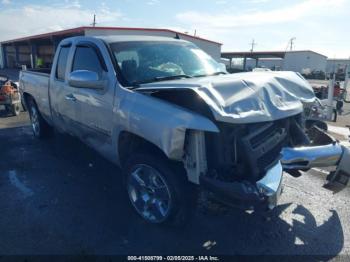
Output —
(71, 97)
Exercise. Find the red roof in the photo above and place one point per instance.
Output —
(83, 28)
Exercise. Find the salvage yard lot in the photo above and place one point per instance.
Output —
(60, 197)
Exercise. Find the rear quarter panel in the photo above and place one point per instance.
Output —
(37, 85)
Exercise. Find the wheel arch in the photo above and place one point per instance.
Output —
(129, 143)
(26, 97)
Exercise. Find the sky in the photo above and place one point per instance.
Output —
(319, 25)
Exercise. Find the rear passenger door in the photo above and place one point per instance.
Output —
(63, 109)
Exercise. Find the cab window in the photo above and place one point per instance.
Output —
(86, 58)
(62, 62)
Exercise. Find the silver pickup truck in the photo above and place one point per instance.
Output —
(175, 121)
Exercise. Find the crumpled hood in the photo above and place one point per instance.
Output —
(247, 97)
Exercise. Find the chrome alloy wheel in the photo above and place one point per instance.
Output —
(149, 193)
(34, 117)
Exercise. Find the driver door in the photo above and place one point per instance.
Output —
(94, 105)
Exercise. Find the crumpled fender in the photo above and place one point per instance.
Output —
(160, 122)
(247, 97)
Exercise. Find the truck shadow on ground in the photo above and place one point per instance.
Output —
(79, 205)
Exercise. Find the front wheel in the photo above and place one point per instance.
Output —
(158, 189)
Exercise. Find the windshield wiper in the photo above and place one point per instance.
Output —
(159, 78)
(214, 74)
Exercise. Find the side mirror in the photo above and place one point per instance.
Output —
(85, 79)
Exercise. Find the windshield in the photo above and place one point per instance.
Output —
(150, 61)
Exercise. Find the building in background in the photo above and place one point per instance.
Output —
(303, 61)
(337, 65)
(28, 50)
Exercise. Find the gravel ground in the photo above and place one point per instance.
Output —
(60, 197)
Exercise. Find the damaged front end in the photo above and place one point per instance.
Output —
(243, 165)
(259, 133)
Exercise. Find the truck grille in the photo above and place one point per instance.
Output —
(246, 152)
(262, 146)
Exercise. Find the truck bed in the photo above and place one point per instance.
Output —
(36, 83)
(40, 70)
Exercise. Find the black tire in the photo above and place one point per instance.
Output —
(15, 109)
(182, 193)
(7, 109)
(40, 127)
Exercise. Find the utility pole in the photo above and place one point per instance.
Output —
(292, 43)
(253, 44)
(94, 22)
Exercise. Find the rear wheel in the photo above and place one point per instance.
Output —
(158, 189)
(39, 126)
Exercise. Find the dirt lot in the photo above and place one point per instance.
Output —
(60, 197)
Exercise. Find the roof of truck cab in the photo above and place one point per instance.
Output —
(137, 38)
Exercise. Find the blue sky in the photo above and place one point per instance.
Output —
(319, 25)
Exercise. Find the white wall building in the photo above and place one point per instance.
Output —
(299, 61)
(337, 65)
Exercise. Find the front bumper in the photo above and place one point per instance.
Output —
(263, 194)
(266, 192)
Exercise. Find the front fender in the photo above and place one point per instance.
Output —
(161, 123)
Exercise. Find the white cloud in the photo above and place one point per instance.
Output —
(285, 14)
(221, 2)
(259, 1)
(6, 2)
(35, 19)
(153, 2)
